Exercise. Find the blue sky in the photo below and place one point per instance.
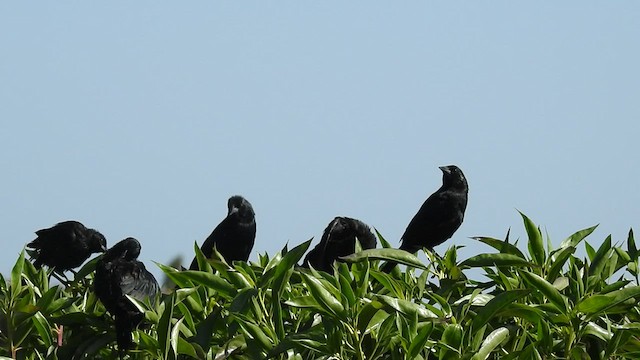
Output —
(141, 119)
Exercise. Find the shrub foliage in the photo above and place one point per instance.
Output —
(541, 303)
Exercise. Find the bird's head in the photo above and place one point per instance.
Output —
(97, 242)
(452, 177)
(127, 249)
(240, 207)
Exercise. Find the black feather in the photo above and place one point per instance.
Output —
(339, 239)
(234, 236)
(119, 273)
(439, 216)
(65, 246)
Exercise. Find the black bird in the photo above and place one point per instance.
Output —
(234, 236)
(119, 273)
(339, 239)
(440, 215)
(65, 246)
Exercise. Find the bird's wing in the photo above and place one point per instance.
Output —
(138, 283)
(217, 235)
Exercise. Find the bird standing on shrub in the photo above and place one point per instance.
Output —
(339, 239)
(439, 216)
(234, 236)
(119, 273)
(66, 245)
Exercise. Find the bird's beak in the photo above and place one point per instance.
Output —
(103, 248)
(233, 210)
(445, 169)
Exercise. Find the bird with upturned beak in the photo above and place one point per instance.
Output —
(439, 216)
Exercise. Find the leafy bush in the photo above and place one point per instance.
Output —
(540, 304)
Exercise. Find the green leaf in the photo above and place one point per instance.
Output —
(596, 304)
(175, 336)
(254, 331)
(631, 245)
(503, 246)
(499, 302)
(452, 339)
(346, 290)
(42, 326)
(418, 342)
(406, 307)
(209, 280)
(577, 237)
(288, 261)
(547, 289)
(492, 341)
(535, 244)
(323, 296)
(598, 261)
(16, 274)
(164, 325)
(500, 259)
(559, 259)
(397, 255)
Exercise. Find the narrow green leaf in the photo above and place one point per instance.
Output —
(596, 304)
(492, 341)
(16, 274)
(452, 339)
(577, 237)
(559, 259)
(499, 302)
(418, 342)
(254, 331)
(406, 307)
(383, 242)
(503, 246)
(547, 289)
(43, 328)
(290, 259)
(535, 244)
(175, 336)
(598, 261)
(591, 252)
(323, 296)
(346, 290)
(186, 348)
(499, 259)
(596, 330)
(164, 325)
(631, 245)
(303, 302)
(397, 255)
(209, 280)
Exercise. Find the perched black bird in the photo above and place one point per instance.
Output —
(235, 235)
(440, 215)
(66, 245)
(119, 273)
(339, 239)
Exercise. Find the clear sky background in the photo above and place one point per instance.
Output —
(142, 118)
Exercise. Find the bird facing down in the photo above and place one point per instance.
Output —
(119, 273)
(234, 236)
(440, 215)
(339, 239)
(66, 245)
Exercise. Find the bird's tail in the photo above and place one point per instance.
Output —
(124, 327)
